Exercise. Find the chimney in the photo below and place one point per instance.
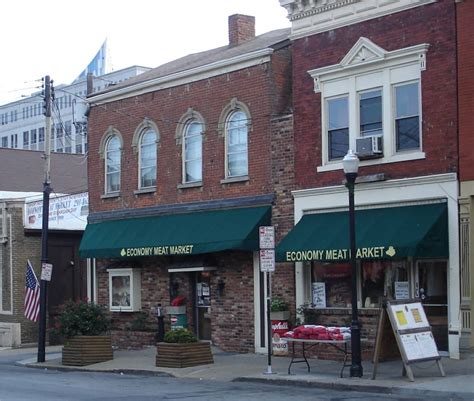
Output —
(241, 29)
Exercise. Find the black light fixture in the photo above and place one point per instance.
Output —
(351, 166)
(220, 287)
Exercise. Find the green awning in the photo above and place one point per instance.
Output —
(176, 234)
(419, 231)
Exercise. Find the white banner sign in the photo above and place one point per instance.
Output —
(65, 213)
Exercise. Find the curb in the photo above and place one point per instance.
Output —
(451, 396)
(112, 371)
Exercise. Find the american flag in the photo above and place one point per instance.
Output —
(32, 294)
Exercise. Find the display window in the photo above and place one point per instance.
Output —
(376, 279)
(124, 290)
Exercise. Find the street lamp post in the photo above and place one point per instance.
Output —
(351, 166)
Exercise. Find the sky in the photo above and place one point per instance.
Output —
(60, 37)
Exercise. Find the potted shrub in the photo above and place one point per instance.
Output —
(85, 327)
(279, 309)
(182, 349)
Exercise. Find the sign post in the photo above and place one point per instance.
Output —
(267, 265)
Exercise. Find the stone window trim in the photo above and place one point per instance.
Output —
(233, 105)
(111, 131)
(186, 118)
(366, 59)
(146, 124)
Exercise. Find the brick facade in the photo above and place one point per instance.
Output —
(465, 15)
(433, 24)
(266, 91)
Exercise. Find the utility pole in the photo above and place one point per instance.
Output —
(45, 221)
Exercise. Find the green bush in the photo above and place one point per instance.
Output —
(180, 336)
(82, 318)
(278, 305)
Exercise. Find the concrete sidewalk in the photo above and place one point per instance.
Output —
(457, 384)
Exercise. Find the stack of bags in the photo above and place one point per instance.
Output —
(318, 332)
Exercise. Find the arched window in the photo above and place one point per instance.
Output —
(147, 172)
(236, 134)
(192, 152)
(112, 164)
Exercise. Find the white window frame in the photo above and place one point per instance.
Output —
(185, 137)
(134, 292)
(366, 67)
(227, 136)
(140, 150)
(112, 137)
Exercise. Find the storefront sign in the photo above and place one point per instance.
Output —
(157, 250)
(376, 252)
(65, 213)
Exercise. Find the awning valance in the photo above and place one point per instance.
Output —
(417, 230)
(176, 234)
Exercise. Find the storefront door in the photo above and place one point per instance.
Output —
(203, 305)
(432, 287)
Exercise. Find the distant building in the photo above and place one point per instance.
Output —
(20, 236)
(22, 123)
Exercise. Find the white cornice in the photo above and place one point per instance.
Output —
(309, 17)
(398, 183)
(184, 77)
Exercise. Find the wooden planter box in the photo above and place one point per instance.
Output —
(86, 350)
(177, 355)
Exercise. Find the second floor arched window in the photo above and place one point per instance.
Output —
(192, 152)
(148, 159)
(112, 164)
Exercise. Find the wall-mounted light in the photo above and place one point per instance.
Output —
(220, 287)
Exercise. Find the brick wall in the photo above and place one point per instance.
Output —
(264, 89)
(433, 24)
(22, 248)
(465, 16)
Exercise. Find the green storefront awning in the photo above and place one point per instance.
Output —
(176, 234)
(395, 232)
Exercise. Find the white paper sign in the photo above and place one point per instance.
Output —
(401, 290)
(419, 345)
(46, 271)
(319, 295)
(409, 316)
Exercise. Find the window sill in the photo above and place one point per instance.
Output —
(235, 179)
(110, 195)
(186, 185)
(144, 191)
(399, 157)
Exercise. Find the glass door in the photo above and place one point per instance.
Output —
(432, 288)
(203, 305)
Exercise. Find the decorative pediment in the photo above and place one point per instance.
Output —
(363, 51)
(366, 56)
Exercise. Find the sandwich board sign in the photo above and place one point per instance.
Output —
(412, 333)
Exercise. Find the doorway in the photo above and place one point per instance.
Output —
(203, 305)
(432, 288)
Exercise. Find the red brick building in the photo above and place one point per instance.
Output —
(186, 161)
(379, 78)
(465, 40)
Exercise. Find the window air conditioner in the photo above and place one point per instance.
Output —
(369, 146)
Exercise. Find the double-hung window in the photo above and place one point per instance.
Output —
(148, 159)
(192, 152)
(407, 119)
(338, 127)
(236, 144)
(112, 165)
(372, 93)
